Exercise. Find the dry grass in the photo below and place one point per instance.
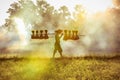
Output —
(87, 68)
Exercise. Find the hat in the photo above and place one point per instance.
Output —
(58, 31)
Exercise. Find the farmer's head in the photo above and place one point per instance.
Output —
(59, 31)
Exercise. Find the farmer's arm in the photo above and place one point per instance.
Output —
(61, 35)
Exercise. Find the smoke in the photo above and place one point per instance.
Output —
(7, 40)
(101, 32)
(116, 3)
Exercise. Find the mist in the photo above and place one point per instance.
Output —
(101, 30)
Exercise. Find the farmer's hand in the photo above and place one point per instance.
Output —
(61, 34)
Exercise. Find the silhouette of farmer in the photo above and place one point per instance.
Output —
(57, 45)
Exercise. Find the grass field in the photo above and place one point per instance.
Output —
(60, 69)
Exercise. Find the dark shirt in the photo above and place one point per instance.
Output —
(57, 39)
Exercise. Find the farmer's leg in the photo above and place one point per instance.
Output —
(61, 53)
(54, 53)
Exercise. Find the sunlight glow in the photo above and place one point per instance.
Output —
(34, 1)
(36, 67)
(21, 30)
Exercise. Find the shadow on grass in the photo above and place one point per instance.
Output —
(16, 58)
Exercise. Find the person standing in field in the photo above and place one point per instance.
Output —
(57, 46)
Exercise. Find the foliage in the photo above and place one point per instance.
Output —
(41, 15)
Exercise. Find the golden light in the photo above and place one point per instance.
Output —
(21, 30)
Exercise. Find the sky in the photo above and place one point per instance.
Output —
(91, 6)
(4, 6)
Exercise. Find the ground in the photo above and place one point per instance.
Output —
(60, 69)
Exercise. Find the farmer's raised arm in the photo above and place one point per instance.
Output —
(61, 35)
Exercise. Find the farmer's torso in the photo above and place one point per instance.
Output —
(57, 39)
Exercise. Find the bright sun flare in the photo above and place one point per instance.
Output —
(21, 30)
